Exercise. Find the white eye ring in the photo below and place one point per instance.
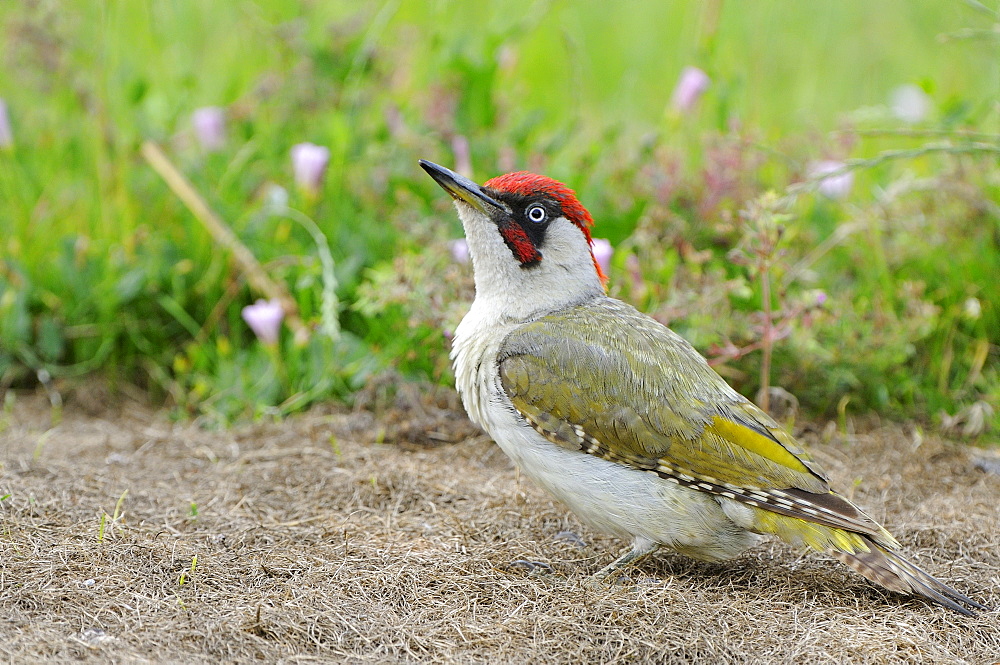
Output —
(537, 214)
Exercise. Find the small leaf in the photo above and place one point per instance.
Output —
(131, 284)
(51, 343)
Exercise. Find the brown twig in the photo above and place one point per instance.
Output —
(223, 235)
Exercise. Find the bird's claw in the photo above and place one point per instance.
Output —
(531, 566)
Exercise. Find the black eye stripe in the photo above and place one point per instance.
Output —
(521, 204)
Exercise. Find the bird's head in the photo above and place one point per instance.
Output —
(529, 239)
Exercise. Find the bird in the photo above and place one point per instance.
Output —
(620, 418)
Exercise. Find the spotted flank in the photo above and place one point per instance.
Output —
(792, 502)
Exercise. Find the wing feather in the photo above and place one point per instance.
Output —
(650, 401)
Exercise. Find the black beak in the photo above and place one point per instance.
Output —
(462, 189)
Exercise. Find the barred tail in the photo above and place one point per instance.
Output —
(892, 571)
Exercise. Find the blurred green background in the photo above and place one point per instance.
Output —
(883, 292)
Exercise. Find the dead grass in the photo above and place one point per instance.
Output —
(275, 543)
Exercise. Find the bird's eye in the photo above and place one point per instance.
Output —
(537, 214)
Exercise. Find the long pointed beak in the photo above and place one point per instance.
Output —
(461, 188)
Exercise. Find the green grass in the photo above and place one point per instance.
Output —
(103, 270)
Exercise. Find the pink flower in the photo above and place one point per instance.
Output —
(276, 197)
(460, 250)
(309, 162)
(209, 123)
(834, 186)
(507, 159)
(910, 103)
(6, 135)
(264, 318)
(603, 251)
(690, 87)
(636, 282)
(463, 158)
(507, 58)
(972, 308)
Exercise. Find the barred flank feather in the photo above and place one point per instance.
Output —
(892, 571)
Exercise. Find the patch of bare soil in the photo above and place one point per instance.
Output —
(308, 541)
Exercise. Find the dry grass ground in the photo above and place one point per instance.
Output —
(307, 541)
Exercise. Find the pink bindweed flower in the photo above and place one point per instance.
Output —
(209, 123)
(690, 87)
(264, 318)
(633, 271)
(459, 250)
(276, 198)
(602, 253)
(463, 157)
(834, 187)
(309, 162)
(6, 135)
(507, 159)
(910, 103)
(821, 298)
(972, 308)
(507, 58)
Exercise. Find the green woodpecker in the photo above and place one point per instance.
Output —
(619, 417)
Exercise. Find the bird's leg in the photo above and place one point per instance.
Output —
(640, 549)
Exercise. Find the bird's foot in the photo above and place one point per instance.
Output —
(609, 574)
(533, 567)
(570, 538)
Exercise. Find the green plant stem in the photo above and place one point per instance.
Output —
(329, 323)
(764, 399)
(274, 353)
(920, 133)
(792, 192)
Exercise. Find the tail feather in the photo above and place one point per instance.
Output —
(894, 572)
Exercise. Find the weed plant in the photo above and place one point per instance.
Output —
(878, 297)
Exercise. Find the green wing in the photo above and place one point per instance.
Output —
(607, 380)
